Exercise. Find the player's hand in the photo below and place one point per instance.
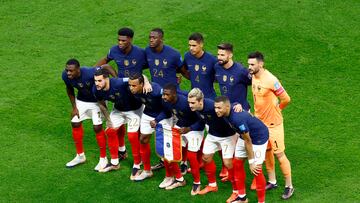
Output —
(255, 169)
(153, 123)
(184, 130)
(238, 108)
(75, 112)
(147, 88)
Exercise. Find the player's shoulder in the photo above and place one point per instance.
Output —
(64, 75)
(171, 50)
(210, 56)
(269, 77)
(138, 49)
(187, 55)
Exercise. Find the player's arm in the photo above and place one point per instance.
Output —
(147, 85)
(249, 151)
(71, 94)
(110, 69)
(102, 61)
(184, 72)
(105, 112)
(284, 100)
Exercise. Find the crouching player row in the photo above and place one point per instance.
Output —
(252, 143)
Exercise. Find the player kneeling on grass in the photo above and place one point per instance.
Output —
(84, 107)
(254, 136)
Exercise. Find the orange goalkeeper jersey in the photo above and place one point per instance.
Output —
(266, 90)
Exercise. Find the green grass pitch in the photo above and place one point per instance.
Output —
(311, 46)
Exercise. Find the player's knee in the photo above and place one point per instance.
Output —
(75, 125)
(144, 139)
(280, 155)
(206, 159)
(228, 163)
(97, 128)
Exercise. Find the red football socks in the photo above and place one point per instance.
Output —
(78, 134)
(135, 146)
(101, 140)
(113, 142)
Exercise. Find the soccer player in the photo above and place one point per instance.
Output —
(200, 65)
(191, 129)
(232, 77)
(84, 107)
(270, 98)
(164, 62)
(220, 137)
(130, 59)
(252, 144)
(126, 110)
(153, 107)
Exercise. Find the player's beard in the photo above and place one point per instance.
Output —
(223, 62)
(253, 72)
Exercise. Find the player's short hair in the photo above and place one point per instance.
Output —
(137, 76)
(225, 46)
(125, 31)
(256, 55)
(196, 37)
(158, 30)
(101, 71)
(74, 62)
(222, 98)
(197, 93)
(170, 86)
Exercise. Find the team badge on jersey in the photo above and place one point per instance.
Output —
(81, 85)
(157, 62)
(88, 84)
(112, 97)
(126, 62)
(133, 62)
(117, 94)
(224, 78)
(203, 68)
(165, 62)
(231, 79)
(197, 67)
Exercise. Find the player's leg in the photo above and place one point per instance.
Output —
(100, 136)
(145, 135)
(194, 140)
(270, 160)
(239, 190)
(228, 148)
(259, 157)
(210, 147)
(279, 151)
(169, 178)
(78, 134)
(121, 137)
(179, 179)
(117, 120)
